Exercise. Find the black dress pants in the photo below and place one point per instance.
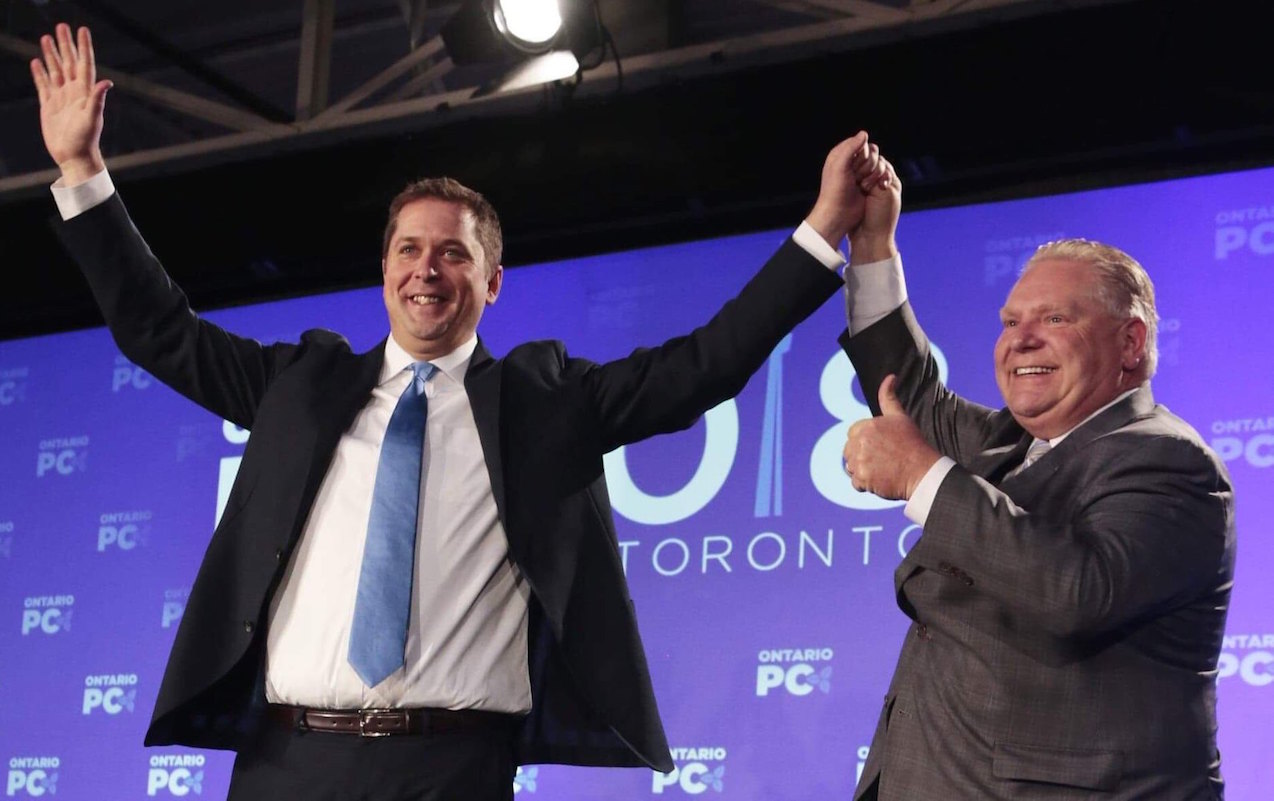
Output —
(285, 764)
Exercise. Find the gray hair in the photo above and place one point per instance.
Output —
(1124, 287)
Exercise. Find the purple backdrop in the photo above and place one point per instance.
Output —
(763, 582)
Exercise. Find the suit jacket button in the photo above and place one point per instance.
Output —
(278, 554)
(922, 631)
(247, 626)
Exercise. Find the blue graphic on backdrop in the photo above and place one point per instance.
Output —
(762, 580)
(33, 776)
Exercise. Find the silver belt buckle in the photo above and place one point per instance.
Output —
(364, 715)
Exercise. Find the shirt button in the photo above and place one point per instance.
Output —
(922, 631)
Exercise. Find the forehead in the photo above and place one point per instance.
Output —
(436, 217)
(1055, 282)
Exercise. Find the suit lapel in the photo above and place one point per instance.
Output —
(993, 464)
(1139, 404)
(482, 383)
(347, 385)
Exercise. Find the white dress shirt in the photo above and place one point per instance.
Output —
(467, 638)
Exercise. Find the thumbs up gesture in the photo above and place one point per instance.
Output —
(887, 455)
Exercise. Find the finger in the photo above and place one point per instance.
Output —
(97, 97)
(41, 79)
(866, 165)
(889, 404)
(88, 63)
(876, 178)
(52, 62)
(862, 148)
(66, 50)
(892, 181)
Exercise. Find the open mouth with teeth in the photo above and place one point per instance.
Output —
(1017, 371)
(425, 300)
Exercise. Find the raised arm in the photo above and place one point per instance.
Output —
(148, 315)
(666, 388)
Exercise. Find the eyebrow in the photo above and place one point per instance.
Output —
(414, 239)
(1041, 308)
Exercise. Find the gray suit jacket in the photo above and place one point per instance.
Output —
(1066, 621)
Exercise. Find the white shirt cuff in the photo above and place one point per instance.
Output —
(75, 200)
(813, 243)
(917, 509)
(873, 291)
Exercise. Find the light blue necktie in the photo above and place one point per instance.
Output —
(378, 636)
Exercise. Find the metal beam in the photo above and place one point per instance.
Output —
(425, 77)
(316, 58)
(341, 120)
(192, 66)
(399, 68)
(801, 7)
(235, 119)
(864, 9)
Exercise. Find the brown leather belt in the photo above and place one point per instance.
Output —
(384, 722)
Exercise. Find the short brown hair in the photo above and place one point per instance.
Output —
(485, 219)
(1125, 288)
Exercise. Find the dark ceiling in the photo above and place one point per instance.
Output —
(1074, 95)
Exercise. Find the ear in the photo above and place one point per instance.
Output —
(494, 283)
(1132, 340)
(384, 266)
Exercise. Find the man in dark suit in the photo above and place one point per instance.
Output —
(1069, 591)
(520, 642)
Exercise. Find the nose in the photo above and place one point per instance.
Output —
(1024, 337)
(425, 269)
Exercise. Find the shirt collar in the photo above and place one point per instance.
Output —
(1055, 441)
(454, 365)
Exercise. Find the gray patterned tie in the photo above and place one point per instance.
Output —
(1038, 448)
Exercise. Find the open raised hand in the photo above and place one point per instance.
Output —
(71, 102)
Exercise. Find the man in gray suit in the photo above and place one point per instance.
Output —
(1069, 592)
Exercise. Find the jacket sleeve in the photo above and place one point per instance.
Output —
(152, 322)
(896, 344)
(666, 388)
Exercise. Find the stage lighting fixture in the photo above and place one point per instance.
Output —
(529, 25)
(483, 31)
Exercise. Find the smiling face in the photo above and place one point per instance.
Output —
(1062, 354)
(437, 280)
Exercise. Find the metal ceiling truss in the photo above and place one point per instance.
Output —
(252, 132)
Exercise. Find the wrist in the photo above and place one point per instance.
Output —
(80, 169)
(828, 225)
(868, 249)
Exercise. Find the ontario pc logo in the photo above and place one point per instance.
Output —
(32, 776)
(525, 779)
(695, 771)
(175, 774)
(797, 671)
(62, 456)
(112, 694)
(47, 614)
